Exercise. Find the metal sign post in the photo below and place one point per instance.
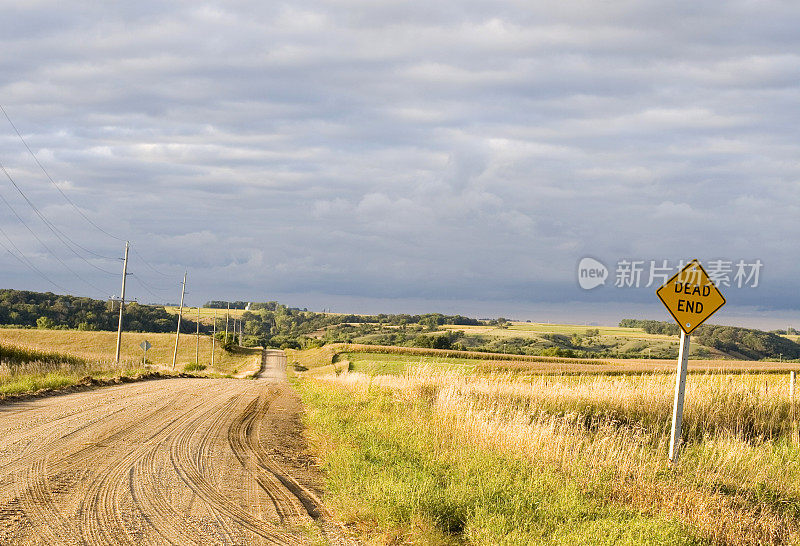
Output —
(690, 297)
(677, 405)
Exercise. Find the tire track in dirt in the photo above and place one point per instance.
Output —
(292, 501)
(178, 461)
(163, 516)
(185, 463)
(34, 494)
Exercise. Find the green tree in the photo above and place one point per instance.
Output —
(45, 323)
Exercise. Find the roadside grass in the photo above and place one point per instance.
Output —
(397, 476)
(34, 382)
(100, 346)
(737, 481)
(29, 370)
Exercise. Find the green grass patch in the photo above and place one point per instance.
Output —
(194, 367)
(398, 478)
(398, 364)
(34, 382)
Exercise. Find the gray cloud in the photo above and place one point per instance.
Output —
(454, 150)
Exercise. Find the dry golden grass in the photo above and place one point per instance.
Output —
(101, 347)
(738, 479)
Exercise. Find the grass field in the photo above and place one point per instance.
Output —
(399, 476)
(101, 346)
(435, 446)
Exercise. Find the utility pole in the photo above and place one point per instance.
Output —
(227, 319)
(214, 338)
(122, 300)
(197, 348)
(180, 313)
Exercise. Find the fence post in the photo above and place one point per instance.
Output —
(792, 381)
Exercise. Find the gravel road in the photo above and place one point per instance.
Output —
(172, 461)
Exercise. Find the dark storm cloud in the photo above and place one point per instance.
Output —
(463, 150)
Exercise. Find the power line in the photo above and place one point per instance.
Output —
(74, 205)
(52, 228)
(26, 262)
(60, 235)
(50, 178)
(146, 288)
(152, 268)
(53, 254)
(150, 286)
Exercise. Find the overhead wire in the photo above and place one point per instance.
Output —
(70, 201)
(151, 267)
(148, 288)
(49, 250)
(25, 261)
(56, 231)
(50, 178)
(52, 228)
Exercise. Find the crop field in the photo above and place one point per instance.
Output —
(101, 346)
(207, 314)
(617, 338)
(374, 360)
(463, 452)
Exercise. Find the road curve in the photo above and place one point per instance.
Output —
(174, 461)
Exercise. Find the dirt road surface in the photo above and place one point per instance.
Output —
(273, 366)
(172, 461)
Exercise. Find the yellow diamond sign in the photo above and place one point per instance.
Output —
(690, 296)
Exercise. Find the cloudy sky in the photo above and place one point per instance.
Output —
(402, 156)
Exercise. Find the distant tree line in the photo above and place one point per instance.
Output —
(267, 323)
(276, 325)
(652, 326)
(27, 309)
(738, 342)
(224, 304)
